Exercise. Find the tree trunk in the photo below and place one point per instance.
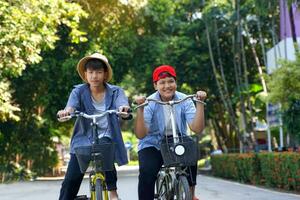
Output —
(218, 82)
(238, 75)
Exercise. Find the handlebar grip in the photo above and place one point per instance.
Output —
(63, 119)
(129, 111)
(129, 117)
(70, 116)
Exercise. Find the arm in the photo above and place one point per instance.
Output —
(72, 104)
(140, 128)
(122, 104)
(198, 122)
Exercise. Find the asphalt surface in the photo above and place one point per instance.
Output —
(208, 188)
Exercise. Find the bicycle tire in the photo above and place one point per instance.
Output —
(163, 187)
(98, 190)
(183, 189)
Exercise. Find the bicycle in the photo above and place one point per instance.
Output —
(99, 154)
(177, 152)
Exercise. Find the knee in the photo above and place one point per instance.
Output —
(71, 181)
(68, 182)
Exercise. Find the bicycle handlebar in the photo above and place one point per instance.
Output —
(94, 116)
(192, 96)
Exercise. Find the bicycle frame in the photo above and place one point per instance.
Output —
(96, 174)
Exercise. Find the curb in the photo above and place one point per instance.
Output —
(205, 171)
(124, 170)
(127, 170)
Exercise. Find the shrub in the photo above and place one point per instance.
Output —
(279, 170)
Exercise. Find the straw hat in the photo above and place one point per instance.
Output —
(83, 61)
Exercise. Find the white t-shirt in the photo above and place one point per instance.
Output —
(102, 123)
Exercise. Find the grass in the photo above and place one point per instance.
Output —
(133, 163)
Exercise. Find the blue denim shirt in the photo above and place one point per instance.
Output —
(154, 119)
(80, 99)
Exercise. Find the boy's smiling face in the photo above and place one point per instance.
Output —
(166, 87)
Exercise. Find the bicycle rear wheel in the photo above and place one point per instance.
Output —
(183, 189)
(163, 187)
(98, 190)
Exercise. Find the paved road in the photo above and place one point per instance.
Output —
(208, 188)
(49, 190)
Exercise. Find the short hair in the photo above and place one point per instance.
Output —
(94, 64)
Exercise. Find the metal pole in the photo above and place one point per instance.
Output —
(281, 137)
(280, 129)
(175, 137)
(268, 130)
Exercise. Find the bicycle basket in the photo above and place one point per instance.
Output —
(103, 153)
(188, 158)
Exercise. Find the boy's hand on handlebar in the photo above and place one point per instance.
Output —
(201, 95)
(64, 113)
(125, 111)
(140, 100)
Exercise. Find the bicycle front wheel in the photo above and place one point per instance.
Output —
(163, 187)
(98, 190)
(183, 189)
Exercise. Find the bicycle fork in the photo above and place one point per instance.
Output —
(94, 177)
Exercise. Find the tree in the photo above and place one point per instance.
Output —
(27, 28)
(284, 86)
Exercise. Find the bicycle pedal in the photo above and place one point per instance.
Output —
(81, 197)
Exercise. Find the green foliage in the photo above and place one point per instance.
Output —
(28, 27)
(261, 6)
(26, 142)
(281, 170)
(284, 83)
(291, 119)
(157, 14)
(130, 137)
(13, 171)
(235, 166)
(7, 107)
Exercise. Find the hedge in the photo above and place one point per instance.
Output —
(277, 170)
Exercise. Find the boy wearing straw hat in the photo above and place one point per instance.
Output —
(92, 97)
